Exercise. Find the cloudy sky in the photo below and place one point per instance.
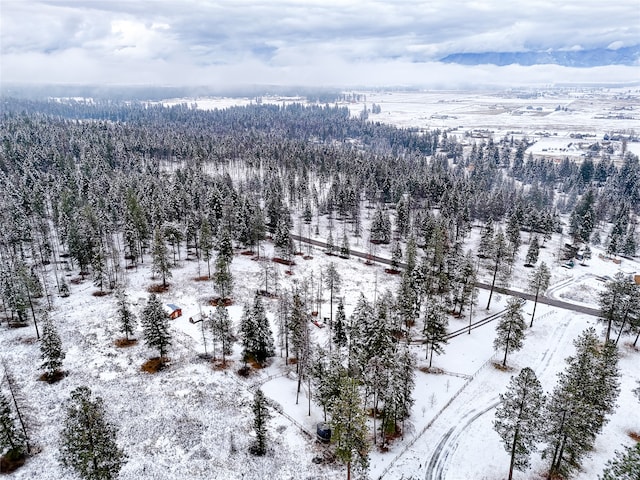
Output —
(305, 42)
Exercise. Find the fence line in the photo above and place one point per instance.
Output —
(261, 381)
(278, 408)
(432, 421)
(454, 374)
(547, 314)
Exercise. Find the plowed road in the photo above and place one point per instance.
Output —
(505, 291)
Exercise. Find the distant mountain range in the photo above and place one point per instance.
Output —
(579, 58)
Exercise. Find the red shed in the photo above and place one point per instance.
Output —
(173, 311)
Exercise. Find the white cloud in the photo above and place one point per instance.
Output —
(296, 41)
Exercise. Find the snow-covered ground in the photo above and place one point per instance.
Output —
(561, 122)
(193, 421)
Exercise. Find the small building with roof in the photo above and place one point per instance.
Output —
(173, 311)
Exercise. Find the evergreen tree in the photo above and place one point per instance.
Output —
(619, 303)
(625, 465)
(307, 215)
(376, 355)
(586, 256)
(155, 325)
(19, 402)
(439, 247)
(512, 232)
(578, 408)
(282, 239)
(404, 375)
(582, 218)
(610, 301)
(410, 254)
(630, 310)
(486, 239)
(138, 223)
(326, 372)
(81, 239)
(247, 332)
(225, 247)
(206, 244)
(386, 228)
(257, 339)
(131, 240)
(283, 315)
(88, 440)
(359, 328)
(607, 381)
(99, 267)
(126, 317)
(345, 250)
(12, 439)
(402, 216)
(340, 326)
(330, 245)
(629, 243)
(172, 233)
(463, 283)
(378, 338)
(396, 255)
(538, 284)
(222, 330)
(380, 227)
(614, 243)
(511, 329)
(497, 264)
(261, 417)
(518, 418)
(349, 427)
(532, 252)
(51, 350)
(64, 289)
(257, 226)
(616, 238)
(222, 278)
(398, 398)
(332, 281)
(435, 328)
(408, 301)
(160, 257)
(357, 222)
(297, 324)
(20, 290)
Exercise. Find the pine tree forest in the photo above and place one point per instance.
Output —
(303, 244)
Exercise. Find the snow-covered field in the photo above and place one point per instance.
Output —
(192, 421)
(561, 122)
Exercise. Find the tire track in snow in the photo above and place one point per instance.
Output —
(448, 444)
(438, 464)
